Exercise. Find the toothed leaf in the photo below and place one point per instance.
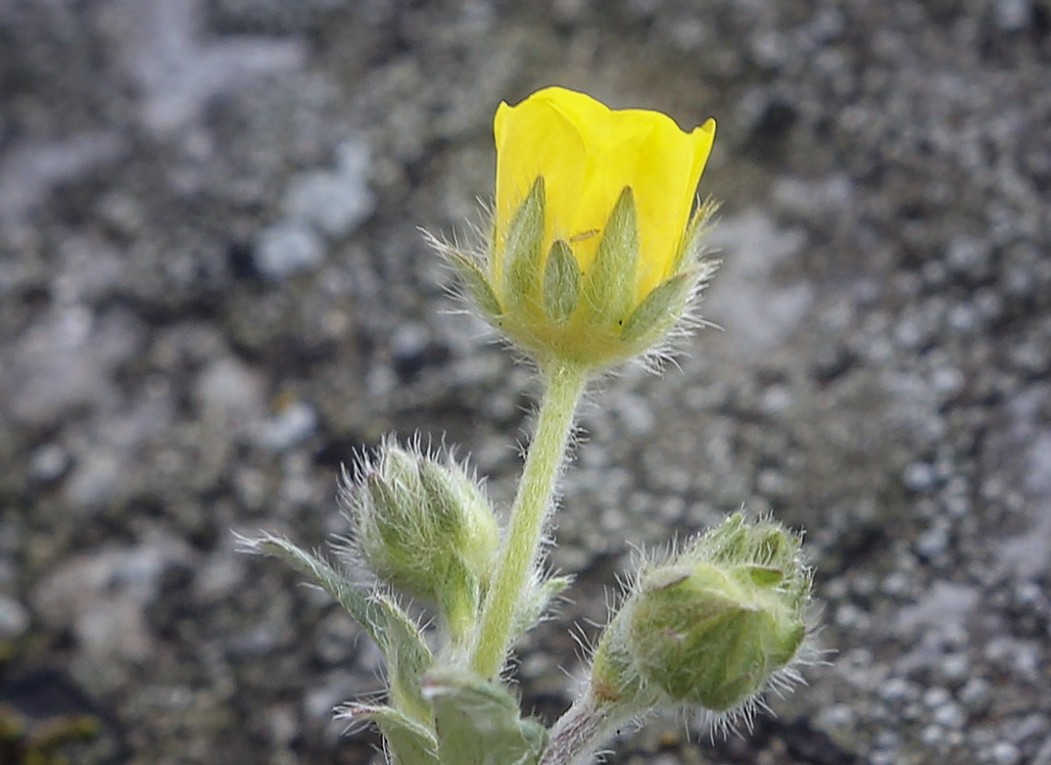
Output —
(408, 741)
(394, 632)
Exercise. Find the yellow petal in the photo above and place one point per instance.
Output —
(665, 183)
(535, 139)
(612, 166)
(592, 118)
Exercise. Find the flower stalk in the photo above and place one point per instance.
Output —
(533, 504)
(582, 729)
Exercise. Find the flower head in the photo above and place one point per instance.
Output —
(595, 241)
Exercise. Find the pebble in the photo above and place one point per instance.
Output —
(950, 715)
(14, 618)
(635, 415)
(897, 690)
(933, 543)
(103, 596)
(896, 583)
(932, 736)
(936, 696)
(49, 463)
(409, 340)
(1013, 15)
(287, 248)
(919, 477)
(837, 716)
(849, 615)
(229, 392)
(95, 480)
(1004, 753)
(294, 423)
(954, 668)
(885, 758)
(333, 203)
(976, 693)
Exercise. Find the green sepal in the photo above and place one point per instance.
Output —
(457, 506)
(476, 283)
(615, 678)
(478, 722)
(394, 632)
(729, 542)
(764, 576)
(463, 517)
(561, 282)
(609, 285)
(674, 631)
(692, 253)
(659, 311)
(522, 253)
(458, 599)
(408, 742)
(444, 506)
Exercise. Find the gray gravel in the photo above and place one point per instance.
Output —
(213, 290)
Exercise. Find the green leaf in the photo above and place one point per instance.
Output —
(407, 741)
(561, 282)
(523, 247)
(408, 657)
(609, 285)
(396, 634)
(659, 310)
(478, 722)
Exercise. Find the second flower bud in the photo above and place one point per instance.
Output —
(424, 526)
(713, 627)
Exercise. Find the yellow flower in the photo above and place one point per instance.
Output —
(595, 251)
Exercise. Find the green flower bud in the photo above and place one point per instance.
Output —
(713, 627)
(425, 527)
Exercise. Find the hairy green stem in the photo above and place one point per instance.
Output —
(581, 730)
(563, 386)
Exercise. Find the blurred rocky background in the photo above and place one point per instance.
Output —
(213, 291)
